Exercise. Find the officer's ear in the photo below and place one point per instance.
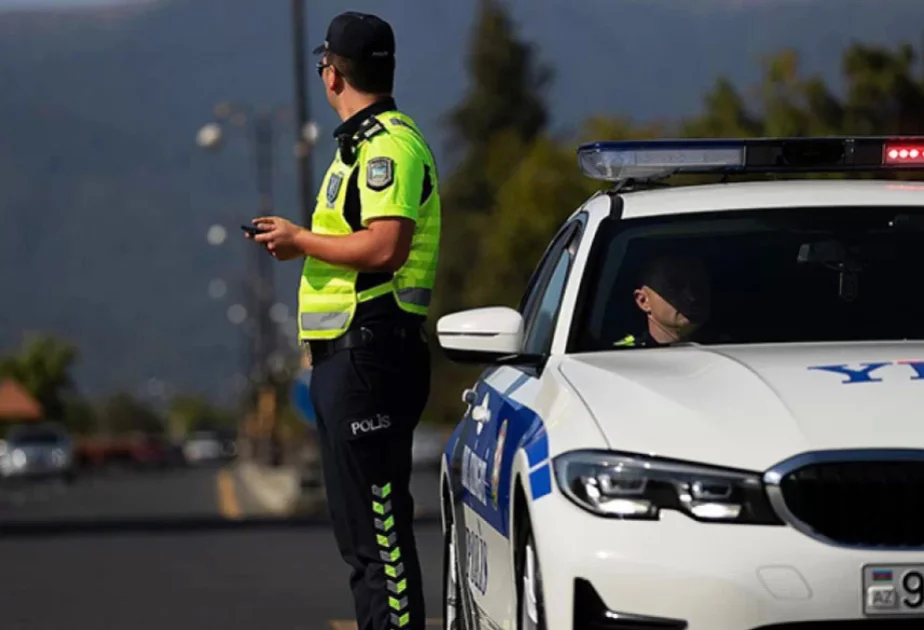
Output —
(335, 79)
(642, 300)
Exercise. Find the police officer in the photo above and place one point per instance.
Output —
(674, 295)
(370, 263)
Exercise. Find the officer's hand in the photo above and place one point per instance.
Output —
(285, 252)
(278, 235)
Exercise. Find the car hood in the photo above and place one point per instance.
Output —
(750, 407)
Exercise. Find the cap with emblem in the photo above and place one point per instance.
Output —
(359, 36)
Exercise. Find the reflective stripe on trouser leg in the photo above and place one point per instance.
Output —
(390, 553)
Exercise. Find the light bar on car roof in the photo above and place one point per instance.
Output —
(654, 159)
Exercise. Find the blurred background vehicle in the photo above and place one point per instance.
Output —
(34, 451)
(210, 446)
(137, 450)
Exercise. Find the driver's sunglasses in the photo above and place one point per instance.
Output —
(320, 67)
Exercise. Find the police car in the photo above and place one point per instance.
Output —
(770, 475)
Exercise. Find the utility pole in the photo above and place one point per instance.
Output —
(264, 288)
(260, 278)
(303, 145)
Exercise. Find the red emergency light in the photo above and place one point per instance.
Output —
(903, 153)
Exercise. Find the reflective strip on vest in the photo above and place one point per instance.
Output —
(419, 297)
(336, 320)
(324, 321)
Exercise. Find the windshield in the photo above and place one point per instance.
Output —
(769, 276)
(36, 436)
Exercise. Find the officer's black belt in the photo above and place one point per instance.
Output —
(364, 337)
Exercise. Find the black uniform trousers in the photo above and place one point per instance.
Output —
(368, 400)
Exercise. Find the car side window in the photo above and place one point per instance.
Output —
(543, 312)
(539, 339)
(537, 282)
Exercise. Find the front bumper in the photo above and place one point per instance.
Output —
(34, 470)
(706, 576)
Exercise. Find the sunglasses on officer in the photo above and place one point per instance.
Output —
(321, 65)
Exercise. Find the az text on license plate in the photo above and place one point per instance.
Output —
(893, 589)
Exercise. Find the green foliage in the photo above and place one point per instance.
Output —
(506, 83)
(489, 130)
(515, 184)
(80, 417)
(43, 366)
(530, 206)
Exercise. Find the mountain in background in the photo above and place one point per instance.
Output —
(106, 200)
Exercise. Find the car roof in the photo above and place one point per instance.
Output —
(772, 194)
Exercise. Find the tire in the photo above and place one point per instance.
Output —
(530, 602)
(453, 612)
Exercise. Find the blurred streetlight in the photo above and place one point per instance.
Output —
(237, 314)
(216, 235)
(210, 136)
(310, 133)
(218, 288)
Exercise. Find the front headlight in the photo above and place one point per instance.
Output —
(626, 486)
(18, 458)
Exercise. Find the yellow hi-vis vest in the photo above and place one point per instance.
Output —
(392, 162)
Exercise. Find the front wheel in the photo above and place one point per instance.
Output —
(531, 607)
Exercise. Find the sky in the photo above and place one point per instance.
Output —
(17, 4)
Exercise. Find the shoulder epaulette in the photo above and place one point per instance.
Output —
(370, 128)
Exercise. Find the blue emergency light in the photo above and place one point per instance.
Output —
(655, 159)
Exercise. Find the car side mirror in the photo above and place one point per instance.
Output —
(492, 335)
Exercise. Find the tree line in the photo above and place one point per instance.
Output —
(515, 182)
(44, 365)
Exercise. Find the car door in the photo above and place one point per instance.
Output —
(499, 420)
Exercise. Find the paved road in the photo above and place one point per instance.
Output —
(179, 493)
(186, 493)
(135, 574)
(241, 579)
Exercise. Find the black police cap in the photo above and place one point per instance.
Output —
(359, 36)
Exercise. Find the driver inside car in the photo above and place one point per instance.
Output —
(674, 295)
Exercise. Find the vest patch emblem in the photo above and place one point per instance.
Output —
(380, 173)
(333, 188)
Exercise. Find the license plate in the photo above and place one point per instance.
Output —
(896, 589)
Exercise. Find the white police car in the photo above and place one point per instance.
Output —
(772, 478)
